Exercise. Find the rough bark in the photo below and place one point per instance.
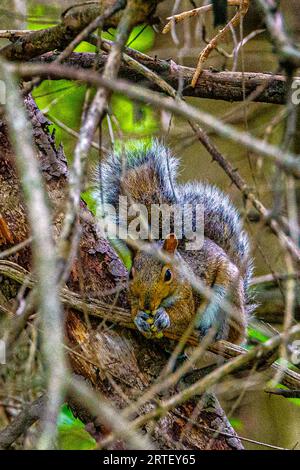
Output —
(100, 353)
(227, 86)
(72, 23)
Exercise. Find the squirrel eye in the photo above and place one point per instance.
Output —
(168, 275)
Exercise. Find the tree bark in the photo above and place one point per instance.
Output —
(73, 21)
(227, 86)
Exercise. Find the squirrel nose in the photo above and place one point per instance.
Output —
(145, 304)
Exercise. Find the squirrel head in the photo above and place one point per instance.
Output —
(153, 284)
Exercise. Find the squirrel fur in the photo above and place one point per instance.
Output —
(160, 295)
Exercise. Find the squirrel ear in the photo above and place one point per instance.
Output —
(170, 243)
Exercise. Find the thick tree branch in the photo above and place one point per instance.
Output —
(122, 317)
(227, 86)
(72, 23)
(287, 162)
(44, 258)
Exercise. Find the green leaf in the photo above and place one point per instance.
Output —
(71, 432)
(237, 424)
(74, 438)
(254, 333)
(141, 38)
(134, 118)
(66, 418)
(37, 11)
(89, 198)
(122, 251)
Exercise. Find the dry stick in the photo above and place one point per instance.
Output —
(288, 53)
(13, 33)
(287, 162)
(14, 249)
(208, 381)
(44, 257)
(283, 44)
(243, 8)
(226, 434)
(260, 87)
(235, 21)
(111, 418)
(49, 39)
(122, 317)
(96, 23)
(22, 422)
(273, 278)
(165, 381)
(73, 133)
(95, 403)
(284, 393)
(195, 12)
(247, 192)
(292, 210)
(68, 239)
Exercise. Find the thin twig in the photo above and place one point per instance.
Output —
(122, 317)
(23, 421)
(44, 257)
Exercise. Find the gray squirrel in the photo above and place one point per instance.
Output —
(161, 297)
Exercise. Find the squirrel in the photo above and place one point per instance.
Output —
(161, 296)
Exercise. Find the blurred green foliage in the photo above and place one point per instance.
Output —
(71, 432)
(237, 424)
(63, 100)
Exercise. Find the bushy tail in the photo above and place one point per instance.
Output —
(146, 174)
(222, 225)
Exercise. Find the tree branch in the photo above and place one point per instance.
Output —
(44, 258)
(287, 162)
(227, 86)
(21, 423)
(122, 317)
(72, 23)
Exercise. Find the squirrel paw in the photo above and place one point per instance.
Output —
(161, 321)
(141, 321)
(204, 328)
(152, 326)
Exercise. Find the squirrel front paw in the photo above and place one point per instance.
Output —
(152, 326)
(209, 322)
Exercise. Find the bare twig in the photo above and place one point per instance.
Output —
(195, 12)
(26, 418)
(286, 50)
(69, 238)
(122, 317)
(284, 393)
(44, 257)
(259, 87)
(285, 161)
(107, 415)
(14, 249)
